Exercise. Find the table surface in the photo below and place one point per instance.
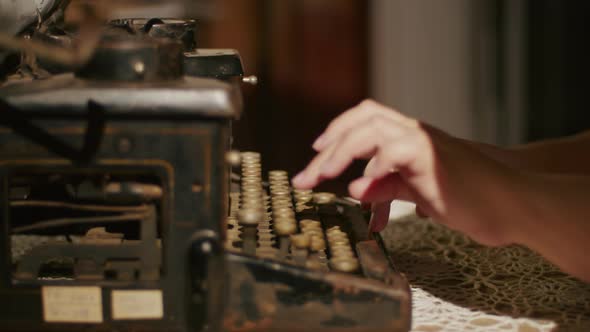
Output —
(459, 285)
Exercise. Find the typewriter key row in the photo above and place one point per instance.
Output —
(283, 216)
(284, 223)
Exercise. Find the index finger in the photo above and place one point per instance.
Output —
(349, 119)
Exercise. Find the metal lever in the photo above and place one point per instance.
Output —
(252, 80)
(20, 123)
(208, 274)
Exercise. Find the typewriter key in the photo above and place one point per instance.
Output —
(340, 252)
(249, 177)
(312, 230)
(250, 155)
(333, 229)
(323, 198)
(281, 201)
(278, 198)
(266, 252)
(278, 180)
(275, 187)
(283, 212)
(254, 170)
(232, 221)
(281, 192)
(300, 244)
(310, 222)
(233, 158)
(317, 243)
(302, 192)
(344, 264)
(300, 241)
(278, 173)
(339, 241)
(252, 194)
(251, 181)
(304, 198)
(284, 228)
(300, 208)
(335, 233)
(251, 216)
(281, 204)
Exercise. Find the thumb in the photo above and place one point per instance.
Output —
(388, 188)
(379, 216)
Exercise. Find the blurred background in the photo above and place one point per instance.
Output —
(499, 71)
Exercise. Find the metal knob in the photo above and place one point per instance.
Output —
(323, 198)
(233, 158)
(252, 79)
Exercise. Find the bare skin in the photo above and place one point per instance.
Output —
(535, 195)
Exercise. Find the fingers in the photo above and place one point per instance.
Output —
(398, 154)
(384, 189)
(420, 212)
(381, 192)
(369, 167)
(310, 176)
(351, 118)
(386, 139)
(362, 142)
(367, 205)
(379, 217)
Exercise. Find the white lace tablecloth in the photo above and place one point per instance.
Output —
(459, 285)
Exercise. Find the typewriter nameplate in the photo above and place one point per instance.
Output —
(72, 304)
(137, 304)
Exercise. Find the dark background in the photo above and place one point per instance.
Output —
(559, 67)
(312, 60)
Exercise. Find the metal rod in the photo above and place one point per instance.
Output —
(80, 207)
(76, 221)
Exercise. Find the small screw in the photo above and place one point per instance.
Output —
(206, 247)
(196, 187)
(252, 79)
(124, 145)
(139, 67)
(233, 158)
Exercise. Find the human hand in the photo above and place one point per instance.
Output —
(447, 178)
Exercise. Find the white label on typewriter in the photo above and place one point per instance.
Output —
(72, 304)
(137, 304)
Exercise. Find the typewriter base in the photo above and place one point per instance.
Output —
(266, 295)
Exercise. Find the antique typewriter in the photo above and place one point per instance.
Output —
(124, 206)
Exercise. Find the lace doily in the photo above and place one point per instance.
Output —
(459, 285)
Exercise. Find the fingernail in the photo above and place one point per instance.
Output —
(298, 178)
(319, 142)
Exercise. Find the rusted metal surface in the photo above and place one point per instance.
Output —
(273, 292)
(268, 295)
(67, 94)
(173, 153)
(373, 260)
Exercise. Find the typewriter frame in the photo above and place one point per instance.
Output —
(178, 131)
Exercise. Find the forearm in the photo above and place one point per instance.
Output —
(550, 213)
(564, 155)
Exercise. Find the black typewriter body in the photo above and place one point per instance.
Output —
(121, 211)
